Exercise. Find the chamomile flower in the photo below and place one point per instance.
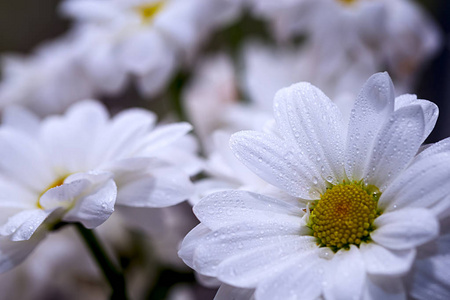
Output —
(362, 201)
(394, 33)
(77, 168)
(146, 38)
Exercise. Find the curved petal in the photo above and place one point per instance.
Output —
(165, 135)
(21, 226)
(422, 184)
(441, 146)
(397, 142)
(431, 110)
(121, 137)
(158, 187)
(405, 229)
(228, 207)
(345, 275)
(373, 106)
(381, 261)
(309, 121)
(96, 207)
(70, 139)
(190, 243)
(272, 160)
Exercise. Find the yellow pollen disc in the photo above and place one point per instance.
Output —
(148, 11)
(344, 215)
(55, 183)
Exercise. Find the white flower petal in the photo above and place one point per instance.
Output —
(422, 184)
(384, 287)
(165, 135)
(22, 225)
(441, 146)
(13, 253)
(155, 187)
(224, 208)
(246, 268)
(63, 195)
(302, 279)
(228, 292)
(123, 135)
(23, 160)
(240, 238)
(190, 243)
(381, 261)
(373, 106)
(308, 119)
(280, 166)
(394, 149)
(431, 277)
(70, 139)
(431, 111)
(345, 275)
(96, 207)
(405, 229)
(16, 195)
(20, 119)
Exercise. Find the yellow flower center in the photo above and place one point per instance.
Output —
(347, 2)
(149, 10)
(55, 183)
(344, 215)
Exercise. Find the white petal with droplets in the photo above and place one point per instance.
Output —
(373, 106)
(277, 163)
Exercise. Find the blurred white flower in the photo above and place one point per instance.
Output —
(46, 82)
(351, 228)
(147, 38)
(77, 167)
(396, 34)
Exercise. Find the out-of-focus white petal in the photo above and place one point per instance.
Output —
(381, 261)
(405, 229)
(96, 203)
(345, 276)
(13, 253)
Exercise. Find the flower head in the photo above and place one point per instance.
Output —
(364, 200)
(77, 168)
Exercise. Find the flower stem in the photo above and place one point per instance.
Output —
(112, 275)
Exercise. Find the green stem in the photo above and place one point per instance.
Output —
(112, 275)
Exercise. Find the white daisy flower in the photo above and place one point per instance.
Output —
(362, 199)
(77, 167)
(396, 33)
(46, 82)
(146, 38)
